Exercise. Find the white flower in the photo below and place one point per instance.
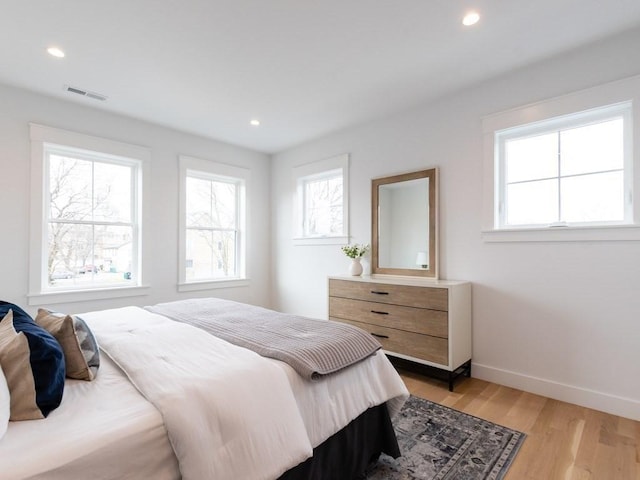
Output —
(355, 250)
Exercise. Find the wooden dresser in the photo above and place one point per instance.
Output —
(427, 322)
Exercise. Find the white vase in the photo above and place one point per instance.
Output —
(355, 268)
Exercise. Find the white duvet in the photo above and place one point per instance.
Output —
(230, 414)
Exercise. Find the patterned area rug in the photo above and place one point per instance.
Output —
(439, 443)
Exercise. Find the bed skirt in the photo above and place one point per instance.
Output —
(347, 454)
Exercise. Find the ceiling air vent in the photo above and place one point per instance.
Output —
(85, 93)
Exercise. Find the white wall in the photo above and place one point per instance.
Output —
(560, 319)
(19, 107)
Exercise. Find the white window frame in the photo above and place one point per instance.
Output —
(566, 122)
(586, 106)
(43, 139)
(313, 171)
(199, 168)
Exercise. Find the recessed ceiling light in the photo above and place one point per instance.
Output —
(55, 51)
(471, 18)
(255, 122)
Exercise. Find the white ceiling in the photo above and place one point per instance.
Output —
(304, 68)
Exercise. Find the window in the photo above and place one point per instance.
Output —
(321, 206)
(90, 219)
(563, 169)
(213, 211)
(566, 171)
(212, 227)
(87, 228)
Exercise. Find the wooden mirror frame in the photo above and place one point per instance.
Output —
(432, 175)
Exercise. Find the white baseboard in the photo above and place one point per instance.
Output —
(623, 407)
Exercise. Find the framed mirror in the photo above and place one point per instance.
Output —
(404, 231)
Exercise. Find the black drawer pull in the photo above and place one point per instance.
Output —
(379, 313)
(379, 293)
(379, 336)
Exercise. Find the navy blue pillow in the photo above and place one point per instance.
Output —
(45, 356)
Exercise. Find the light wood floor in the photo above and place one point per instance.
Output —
(564, 441)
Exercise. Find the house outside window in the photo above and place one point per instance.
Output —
(321, 207)
(87, 221)
(213, 224)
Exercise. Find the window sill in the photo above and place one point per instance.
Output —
(212, 284)
(71, 296)
(343, 240)
(609, 233)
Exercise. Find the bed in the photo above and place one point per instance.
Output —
(172, 401)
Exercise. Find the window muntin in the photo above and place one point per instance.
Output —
(91, 220)
(213, 227)
(573, 170)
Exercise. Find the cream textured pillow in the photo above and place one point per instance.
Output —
(5, 404)
(81, 352)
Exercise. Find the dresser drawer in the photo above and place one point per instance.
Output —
(407, 295)
(419, 320)
(426, 347)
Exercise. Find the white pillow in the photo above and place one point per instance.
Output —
(4, 404)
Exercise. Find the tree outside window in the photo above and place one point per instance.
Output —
(212, 227)
(213, 224)
(90, 228)
(323, 200)
(321, 209)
